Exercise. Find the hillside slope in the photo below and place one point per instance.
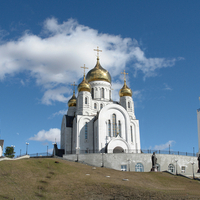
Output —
(44, 178)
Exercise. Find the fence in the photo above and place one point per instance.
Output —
(148, 151)
(36, 155)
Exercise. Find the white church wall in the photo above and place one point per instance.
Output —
(71, 111)
(106, 114)
(83, 142)
(68, 139)
(98, 85)
(115, 161)
(63, 132)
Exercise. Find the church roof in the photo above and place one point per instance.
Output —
(125, 91)
(98, 73)
(84, 85)
(72, 101)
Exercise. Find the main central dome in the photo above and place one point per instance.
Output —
(98, 73)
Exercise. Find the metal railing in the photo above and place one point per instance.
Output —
(134, 151)
(36, 155)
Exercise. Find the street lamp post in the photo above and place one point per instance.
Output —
(176, 166)
(77, 152)
(129, 167)
(47, 150)
(27, 147)
(193, 169)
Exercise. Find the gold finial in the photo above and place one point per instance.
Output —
(74, 87)
(124, 75)
(97, 52)
(84, 69)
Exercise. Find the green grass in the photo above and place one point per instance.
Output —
(42, 178)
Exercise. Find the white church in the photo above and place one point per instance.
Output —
(95, 123)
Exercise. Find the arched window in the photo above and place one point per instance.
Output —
(102, 92)
(101, 106)
(93, 93)
(131, 134)
(86, 130)
(110, 94)
(171, 168)
(119, 126)
(109, 128)
(129, 105)
(85, 100)
(139, 167)
(114, 125)
(95, 106)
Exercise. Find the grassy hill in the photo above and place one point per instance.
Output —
(43, 178)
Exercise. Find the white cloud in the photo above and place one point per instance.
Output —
(166, 87)
(51, 135)
(60, 112)
(164, 146)
(22, 82)
(54, 57)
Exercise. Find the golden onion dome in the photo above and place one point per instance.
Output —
(125, 91)
(98, 73)
(72, 101)
(84, 85)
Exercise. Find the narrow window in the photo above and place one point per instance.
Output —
(129, 105)
(102, 92)
(183, 169)
(114, 125)
(101, 106)
(119, 125)
(109, 128)
(95, 106)
(86, 130)
(131, 134)
(85, 100)
(110, 94)
(93, 93)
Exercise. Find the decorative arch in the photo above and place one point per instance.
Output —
(171, 168)
(118, 144)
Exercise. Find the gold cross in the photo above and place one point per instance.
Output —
(74, 86)
(84, 69)
(97, 51)
(124, 74)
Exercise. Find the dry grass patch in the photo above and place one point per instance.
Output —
(42, 178)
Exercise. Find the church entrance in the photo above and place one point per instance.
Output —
(118, 150)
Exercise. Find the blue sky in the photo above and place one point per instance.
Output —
(43, 44)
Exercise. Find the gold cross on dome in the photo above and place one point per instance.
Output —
(97, 51)
(74, 86)
(84, 69)
(124, 74)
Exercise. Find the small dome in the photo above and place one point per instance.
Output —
(72, 101)
(125, 91)
(84, 86)
(98, 73)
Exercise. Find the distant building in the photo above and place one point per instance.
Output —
(198, 124)
(1, 147)
(94, 122)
